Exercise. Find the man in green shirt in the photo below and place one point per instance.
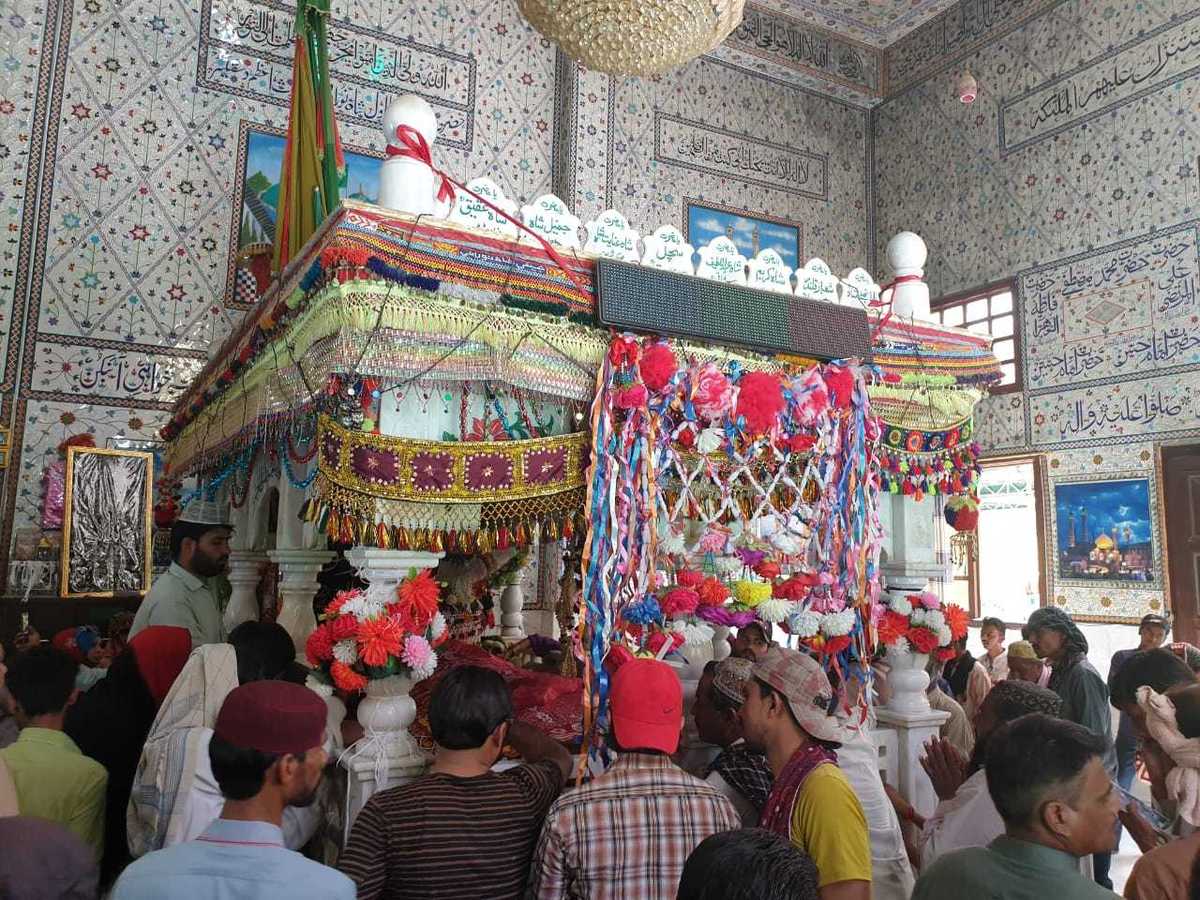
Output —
(54, 780)
(186, 594)
(1048, 781)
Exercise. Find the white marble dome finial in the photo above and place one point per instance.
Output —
(414, 112)
(906, 254)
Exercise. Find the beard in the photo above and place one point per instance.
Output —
(208, 566)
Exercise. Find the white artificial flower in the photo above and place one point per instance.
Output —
(420, 673)
(346, 652)
(774, 610)
(318, 687)
(803, 623)
(729, 565)
(786, 543)
(932, 619)
(901, 605)
(710, 440)
(944, 636)
(695, 634)
(901, 647)
(838, 623)
(369, 604)
(673, 544)
(438, 626)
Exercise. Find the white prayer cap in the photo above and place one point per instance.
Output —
(204, 512)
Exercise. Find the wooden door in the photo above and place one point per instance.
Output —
(1181, 494)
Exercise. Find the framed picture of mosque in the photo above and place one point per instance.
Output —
(750, 231)
(107, 522)
(1105, 532)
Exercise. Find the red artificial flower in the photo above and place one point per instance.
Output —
(631, 397)
(345, 678)
(795, 588)
(687, 437)
(618, 655)
(767, 569)
(892, 627)
(339, 600)
(800, 443)
(712, 592)
(658, 366)
(760, 401)
(923, 640)
(378, 639)
(689, 578)
(957, 618)
(679, 601)
(623, 352)
(945, 654)
(342, 627)
(840, 382)
(419, 595)
(835, 645)
(319, 646)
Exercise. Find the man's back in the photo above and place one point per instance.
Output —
(1007, 869)
(628, 833)
(452, 837)
(242, 860)
(55, 781)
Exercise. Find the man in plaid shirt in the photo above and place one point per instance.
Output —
(627, 833)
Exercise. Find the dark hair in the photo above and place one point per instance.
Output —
(468, 704)
(762, 628)
(1034, 759)
(265, 651)
(240, 772)
(181, 531)
(747, 864)
(41, 680)
(992, 622)
(1187, 710)
(1160, 669)
(958, 674)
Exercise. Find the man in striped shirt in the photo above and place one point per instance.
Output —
(627, 833)
(462, 831)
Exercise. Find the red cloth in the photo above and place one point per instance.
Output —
(551, 703)
(160, 652)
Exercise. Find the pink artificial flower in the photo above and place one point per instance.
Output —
(713, 541)
(926, 600)
(713, 395)
(631, 397)
(418, 654)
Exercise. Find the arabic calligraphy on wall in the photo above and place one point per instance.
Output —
(965, 25)
(1139, 67)
(1118, 311)
(1157, 406)
(246, 50)
(113, 373)
(726, 154)
(783, 40)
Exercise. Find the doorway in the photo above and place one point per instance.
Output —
(1181, 496)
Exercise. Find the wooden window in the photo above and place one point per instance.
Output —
(988, 311)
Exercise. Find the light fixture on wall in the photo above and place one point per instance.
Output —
(646, 37)
(966, 88)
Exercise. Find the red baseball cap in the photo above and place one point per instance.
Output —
(647, 706)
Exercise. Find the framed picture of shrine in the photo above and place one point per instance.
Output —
(107, 522)
(1105, 534)
(750, 231)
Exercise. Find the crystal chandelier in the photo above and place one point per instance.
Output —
(634, 37)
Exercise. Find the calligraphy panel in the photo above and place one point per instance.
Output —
(138, 373)
(780, 39)
(246, 50)
(1118, 311)
(1137, 68)
(1162, 406)
(726, 154)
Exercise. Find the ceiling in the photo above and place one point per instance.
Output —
(875, 22)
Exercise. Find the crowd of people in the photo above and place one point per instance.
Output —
(194, 765)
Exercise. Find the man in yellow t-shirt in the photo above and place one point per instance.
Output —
(787, 715)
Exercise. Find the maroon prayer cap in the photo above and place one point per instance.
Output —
(272, 717)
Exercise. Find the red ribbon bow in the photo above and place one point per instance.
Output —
(416, 147)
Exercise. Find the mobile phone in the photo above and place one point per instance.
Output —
(1156, 819)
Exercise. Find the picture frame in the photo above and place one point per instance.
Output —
(107, 523)
(255, 193)
(1105, 533)
(751, 231)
